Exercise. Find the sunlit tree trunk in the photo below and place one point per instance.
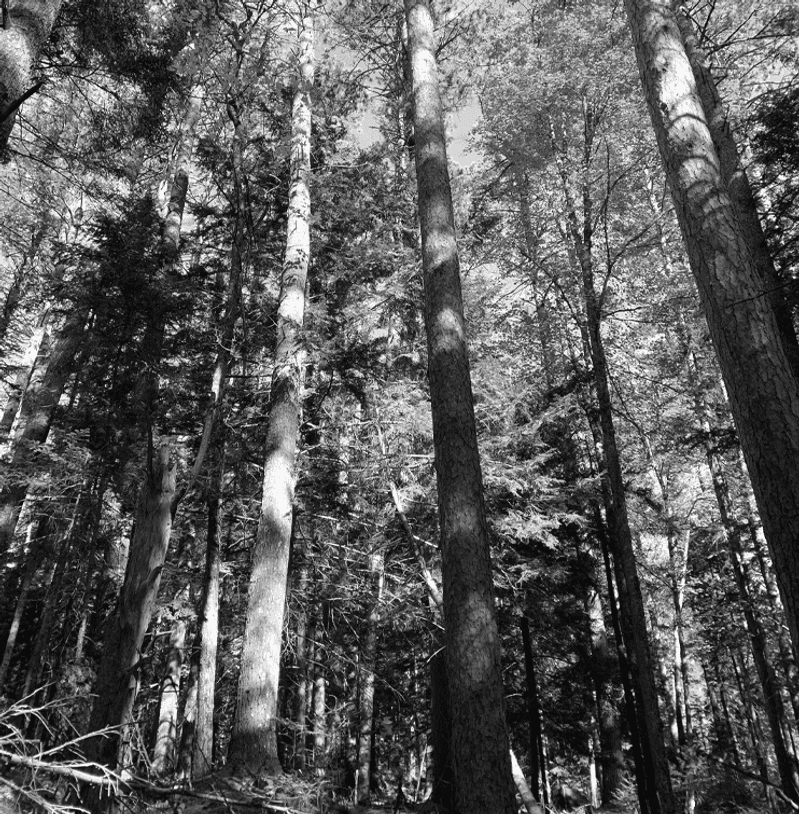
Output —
(760, 380)
(166, 736)
(483, 779)
(738, 185)
(26, 25)
(253, 744)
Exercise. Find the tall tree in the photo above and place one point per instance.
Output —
(480, 749)
(760, 380)
(253, 744)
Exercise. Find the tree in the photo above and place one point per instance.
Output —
(480, 750)
(25, 28)
(762, 387)
(253, 745)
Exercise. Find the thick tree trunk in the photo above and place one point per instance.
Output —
(483, 779)
(760, 379)
(166, 736)
(117, 674)
(253, 744)
(26, 26)
(738, 186)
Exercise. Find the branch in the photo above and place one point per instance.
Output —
(12, 108)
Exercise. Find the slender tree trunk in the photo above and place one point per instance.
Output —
(25, 28)
(758, 373)
(366, 679)
(320, 705)
(775, 710)
(23, 377)
(603, 667)
(483, 779)
(533, 710)
(53, 585)
(302, 663)
(253, 744)
(633, 616)
(117, 674)
(54, 365)
(624, 666)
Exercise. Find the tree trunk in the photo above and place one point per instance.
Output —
(203, 751)
(533, 710)
(320, 705)
(738, 186)
(603, 668)
(772, 696)
(759, 376)
(253, 743)
(366, 679)
(117, 674)
(23, 378)
(483, 779)
(54, 365)
(166, 736)
(25, 28)
(633, 616)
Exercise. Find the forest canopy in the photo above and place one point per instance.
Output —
(338, 474)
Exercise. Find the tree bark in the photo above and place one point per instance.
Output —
(253, 744)
(117, 674)
(758, 374)
(166, 736)
(740, 190)
(28, 24)
(483, 779)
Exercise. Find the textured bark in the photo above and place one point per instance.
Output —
(28, 25)
(483, 780)
(166, 736)
(740, 190)
(759, 376)
(117, 674)
(253, 744)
